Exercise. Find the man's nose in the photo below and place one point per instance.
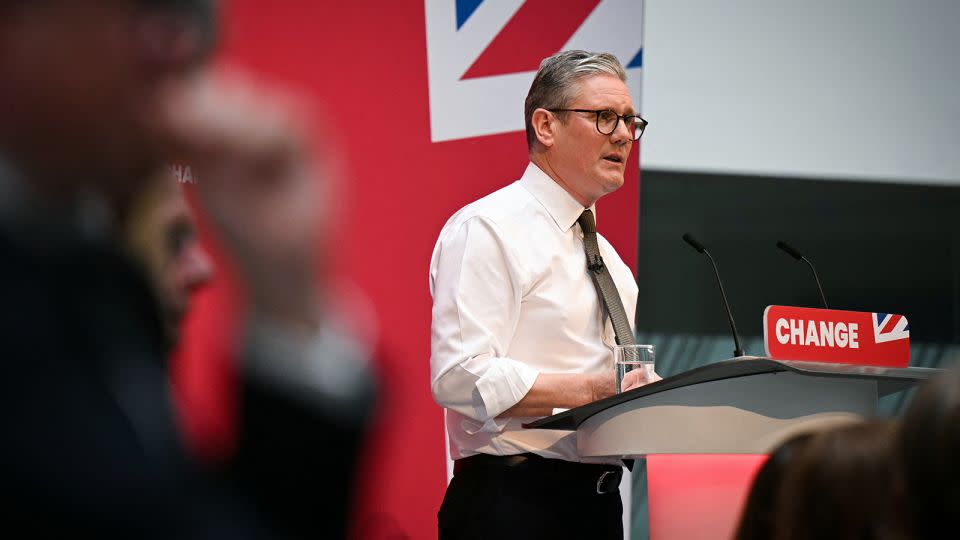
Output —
(197, 266)
(621, 134)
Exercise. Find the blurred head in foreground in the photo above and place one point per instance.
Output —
(101, 72)
(757, 520)
(160, 231)
(929, 448)
(840, 483)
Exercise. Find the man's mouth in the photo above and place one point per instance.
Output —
(614, 158)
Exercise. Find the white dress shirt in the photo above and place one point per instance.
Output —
(511, 299)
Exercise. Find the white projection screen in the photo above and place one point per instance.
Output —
(826, 89)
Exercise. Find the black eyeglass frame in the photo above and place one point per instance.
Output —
(639, 120)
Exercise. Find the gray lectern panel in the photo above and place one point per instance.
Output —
(886, 380)
(736, 415)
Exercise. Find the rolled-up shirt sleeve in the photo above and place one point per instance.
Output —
(477, 285)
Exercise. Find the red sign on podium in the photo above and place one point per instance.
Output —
(842, 337)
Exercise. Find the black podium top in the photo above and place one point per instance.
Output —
(889, 380)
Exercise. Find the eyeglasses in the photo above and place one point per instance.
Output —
(608, 120)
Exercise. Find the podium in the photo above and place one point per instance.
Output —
(704, 431)
(745, 405)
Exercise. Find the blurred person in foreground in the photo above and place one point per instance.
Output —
(160, 232)
(97, 95)
(519, 327)
(840, 483)
(757, 520)
(928, 447)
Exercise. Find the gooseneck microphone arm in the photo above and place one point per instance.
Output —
(790, 250)
(738, 350)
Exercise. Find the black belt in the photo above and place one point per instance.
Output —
(601, 478)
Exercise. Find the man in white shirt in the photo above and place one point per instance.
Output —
(518, 329)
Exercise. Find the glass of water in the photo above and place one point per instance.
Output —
(627, 358)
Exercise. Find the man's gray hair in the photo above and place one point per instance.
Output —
(555, 83)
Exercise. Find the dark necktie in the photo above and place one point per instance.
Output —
(603, 281)
(612, 304)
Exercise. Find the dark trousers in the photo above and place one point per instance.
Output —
(529, 497)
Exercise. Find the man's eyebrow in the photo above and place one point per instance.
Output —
(628, 112)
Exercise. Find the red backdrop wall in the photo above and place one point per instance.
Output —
(365, 63)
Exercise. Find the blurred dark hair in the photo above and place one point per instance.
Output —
(841, 484)
(757, 518)
(929, 448)
(203, 13)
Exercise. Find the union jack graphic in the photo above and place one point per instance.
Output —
(890, 327)
(482, 55)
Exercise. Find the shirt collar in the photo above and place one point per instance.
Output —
(562, 207)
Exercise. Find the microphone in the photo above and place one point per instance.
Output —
(738, 351)
(798, 256)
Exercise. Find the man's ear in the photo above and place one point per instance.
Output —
(544, 125)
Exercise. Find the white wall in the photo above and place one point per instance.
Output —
(862, 89)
